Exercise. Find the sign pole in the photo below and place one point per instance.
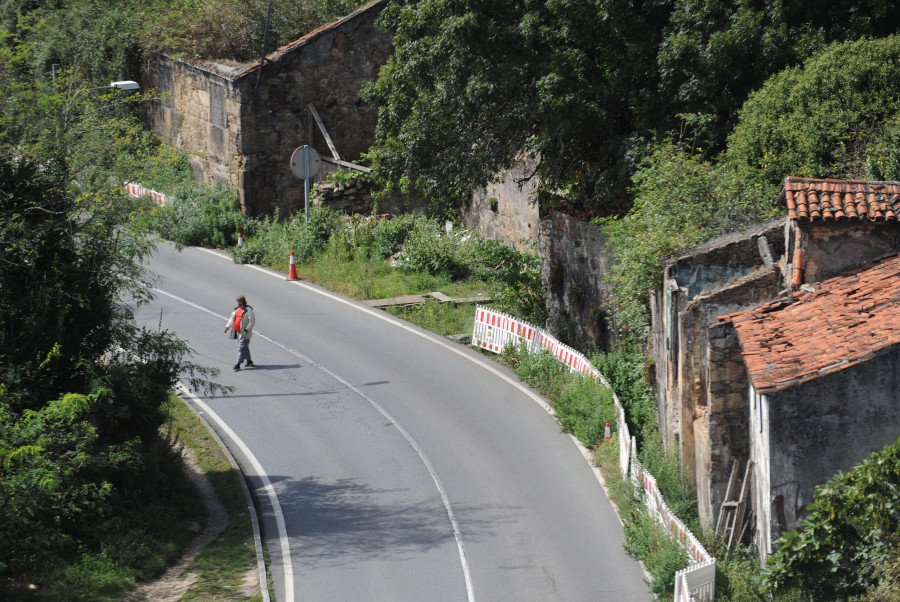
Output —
(306, 180)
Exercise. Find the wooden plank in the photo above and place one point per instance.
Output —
(419, 299)
(331, 146)
(346, 164)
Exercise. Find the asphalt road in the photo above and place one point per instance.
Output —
(388, 463)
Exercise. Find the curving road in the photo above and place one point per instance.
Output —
(388, 463)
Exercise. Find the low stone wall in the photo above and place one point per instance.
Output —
(355, 197)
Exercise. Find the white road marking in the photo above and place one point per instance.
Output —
(286, 563)
(282, 531)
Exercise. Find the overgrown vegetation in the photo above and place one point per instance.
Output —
(834, 116)
(90, 493)
(583, 407)
(365, 257)
(105, 39)
(589, 86)
(847, 541)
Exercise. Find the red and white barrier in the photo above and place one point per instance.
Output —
(136, 190)
(494, 330)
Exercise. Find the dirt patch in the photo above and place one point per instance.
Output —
(174, 584)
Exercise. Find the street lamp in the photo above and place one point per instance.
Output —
(125, 85)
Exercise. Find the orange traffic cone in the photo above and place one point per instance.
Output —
(607, 434)
(240, 240)
(292, 273)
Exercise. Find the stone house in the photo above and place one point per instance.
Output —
(786, 357)
(240, 122)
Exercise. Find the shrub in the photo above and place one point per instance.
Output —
(660, 553)
(542, 371)
(390, 234)
(665, 465)
(515, 278)
(680, 201)
(353, 239)
(583, 409)
(815, 120)
(429, 250)
(275, 240)
(625, 368)
(202, 215)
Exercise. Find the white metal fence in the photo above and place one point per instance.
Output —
(495, 330)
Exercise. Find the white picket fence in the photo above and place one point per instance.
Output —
(494, 330)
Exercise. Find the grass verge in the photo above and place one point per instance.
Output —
(225, 565)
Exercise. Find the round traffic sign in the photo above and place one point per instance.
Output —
(298, 162)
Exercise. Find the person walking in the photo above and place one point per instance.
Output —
(240, 326)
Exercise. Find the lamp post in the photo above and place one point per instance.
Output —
(123, 85)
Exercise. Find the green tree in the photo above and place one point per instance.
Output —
(820, 119)
(81, 387)
(472, 84)
(714, 53)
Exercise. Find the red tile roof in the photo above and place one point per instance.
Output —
(861, 200)
(849, 319)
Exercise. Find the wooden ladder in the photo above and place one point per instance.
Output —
(733, 511)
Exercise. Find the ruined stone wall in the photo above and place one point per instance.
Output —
(200, 113)
(239, 123)
(328, 71)
(504, 210)
(355, 197)
(711, 411)
(829, 424)
(828, 250)
(573, 263)
(725, 420)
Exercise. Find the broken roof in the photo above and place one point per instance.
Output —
(849, 319)
(233, 70)
(860, 200)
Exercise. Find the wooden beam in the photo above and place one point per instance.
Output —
(315, 114)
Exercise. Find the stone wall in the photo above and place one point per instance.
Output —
(355, 197)
(240, 123)
(504, 210)
(200, 113)
(573, 263)
(327, 68)
(724, 420)
(699, 414)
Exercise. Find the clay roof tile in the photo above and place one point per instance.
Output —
(850, 319)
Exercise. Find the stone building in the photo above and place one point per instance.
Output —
(779, 346)
(240, 122)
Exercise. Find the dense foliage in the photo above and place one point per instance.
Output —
(586, 85)
(681, 200)
(81, 387)
(820, 119)
(105, 39)
(847, 542)
(472, 84)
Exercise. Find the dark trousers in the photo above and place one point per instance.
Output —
(243, 351)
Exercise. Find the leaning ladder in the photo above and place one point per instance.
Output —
(733, 511)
